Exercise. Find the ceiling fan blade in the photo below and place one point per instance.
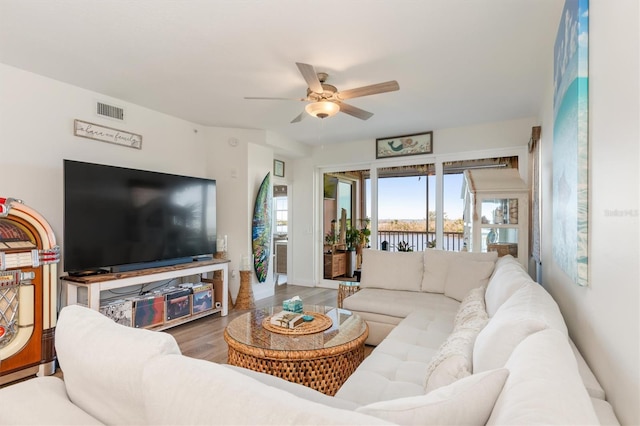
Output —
(275, 99)
(356, 112)
(311, 77)
(300, 117)
(388, 86)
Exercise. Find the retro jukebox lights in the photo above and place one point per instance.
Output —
(28, 288)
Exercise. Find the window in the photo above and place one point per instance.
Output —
(404, 207)
(407, 214)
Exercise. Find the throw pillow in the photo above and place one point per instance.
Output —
(468, 401)
(472, 308)
(454, 358)
(447, 370)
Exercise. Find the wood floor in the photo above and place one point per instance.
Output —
(204, 338)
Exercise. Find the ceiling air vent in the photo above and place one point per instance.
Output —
(110, 111)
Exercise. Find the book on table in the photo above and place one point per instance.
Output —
(286, 319)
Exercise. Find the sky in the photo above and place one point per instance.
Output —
(405, 198)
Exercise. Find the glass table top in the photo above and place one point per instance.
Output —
(247, 329)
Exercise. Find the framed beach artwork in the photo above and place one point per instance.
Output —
(571, 142)
(399, 146)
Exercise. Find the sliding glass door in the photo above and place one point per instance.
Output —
(406, 200)
(404, 208)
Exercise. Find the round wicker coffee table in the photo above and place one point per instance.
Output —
(321, 360)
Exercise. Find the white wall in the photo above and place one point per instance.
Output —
(260, 163)
(603, 318)
(481, 137)
(228, 150)
(36, 134)
(303, 239)
(485, 140)
(240, 159)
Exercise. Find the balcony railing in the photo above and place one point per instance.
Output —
(419, 241)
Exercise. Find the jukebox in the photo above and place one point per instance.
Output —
(28, 290)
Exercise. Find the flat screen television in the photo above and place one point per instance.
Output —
(119, 219)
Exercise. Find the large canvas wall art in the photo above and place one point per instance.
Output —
(570, 142)
(261, 230)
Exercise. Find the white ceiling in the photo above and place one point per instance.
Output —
(458, 62)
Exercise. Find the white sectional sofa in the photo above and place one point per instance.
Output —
(457, 353)
(422, 346)
(396, 284)
(119, 375)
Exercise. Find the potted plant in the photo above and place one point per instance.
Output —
(329, 241)
(365, 233)
(361, 238)
(404, 246)
(352, 238)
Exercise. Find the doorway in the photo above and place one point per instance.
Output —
(280, 233)
(343, 221)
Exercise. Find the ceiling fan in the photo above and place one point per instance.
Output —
(325, 100)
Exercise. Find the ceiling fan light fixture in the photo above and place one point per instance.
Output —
(322, 109)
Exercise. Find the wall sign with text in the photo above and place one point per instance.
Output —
(97, 132)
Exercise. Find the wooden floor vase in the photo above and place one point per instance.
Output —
(245, 294)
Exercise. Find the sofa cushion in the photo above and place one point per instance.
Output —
(453, 360)
(295, 388)
(391, 270)
(588, 378)
(397, 367)
(467, 276)
(468, 401)
(380, 326)
(40, 401)
(185, 391)
(529, 310)
(543, 386)
(508, 277)
(400, 304)
(605, 413)
(103, 361)
(446, 271)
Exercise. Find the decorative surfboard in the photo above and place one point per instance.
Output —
(261, 231)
